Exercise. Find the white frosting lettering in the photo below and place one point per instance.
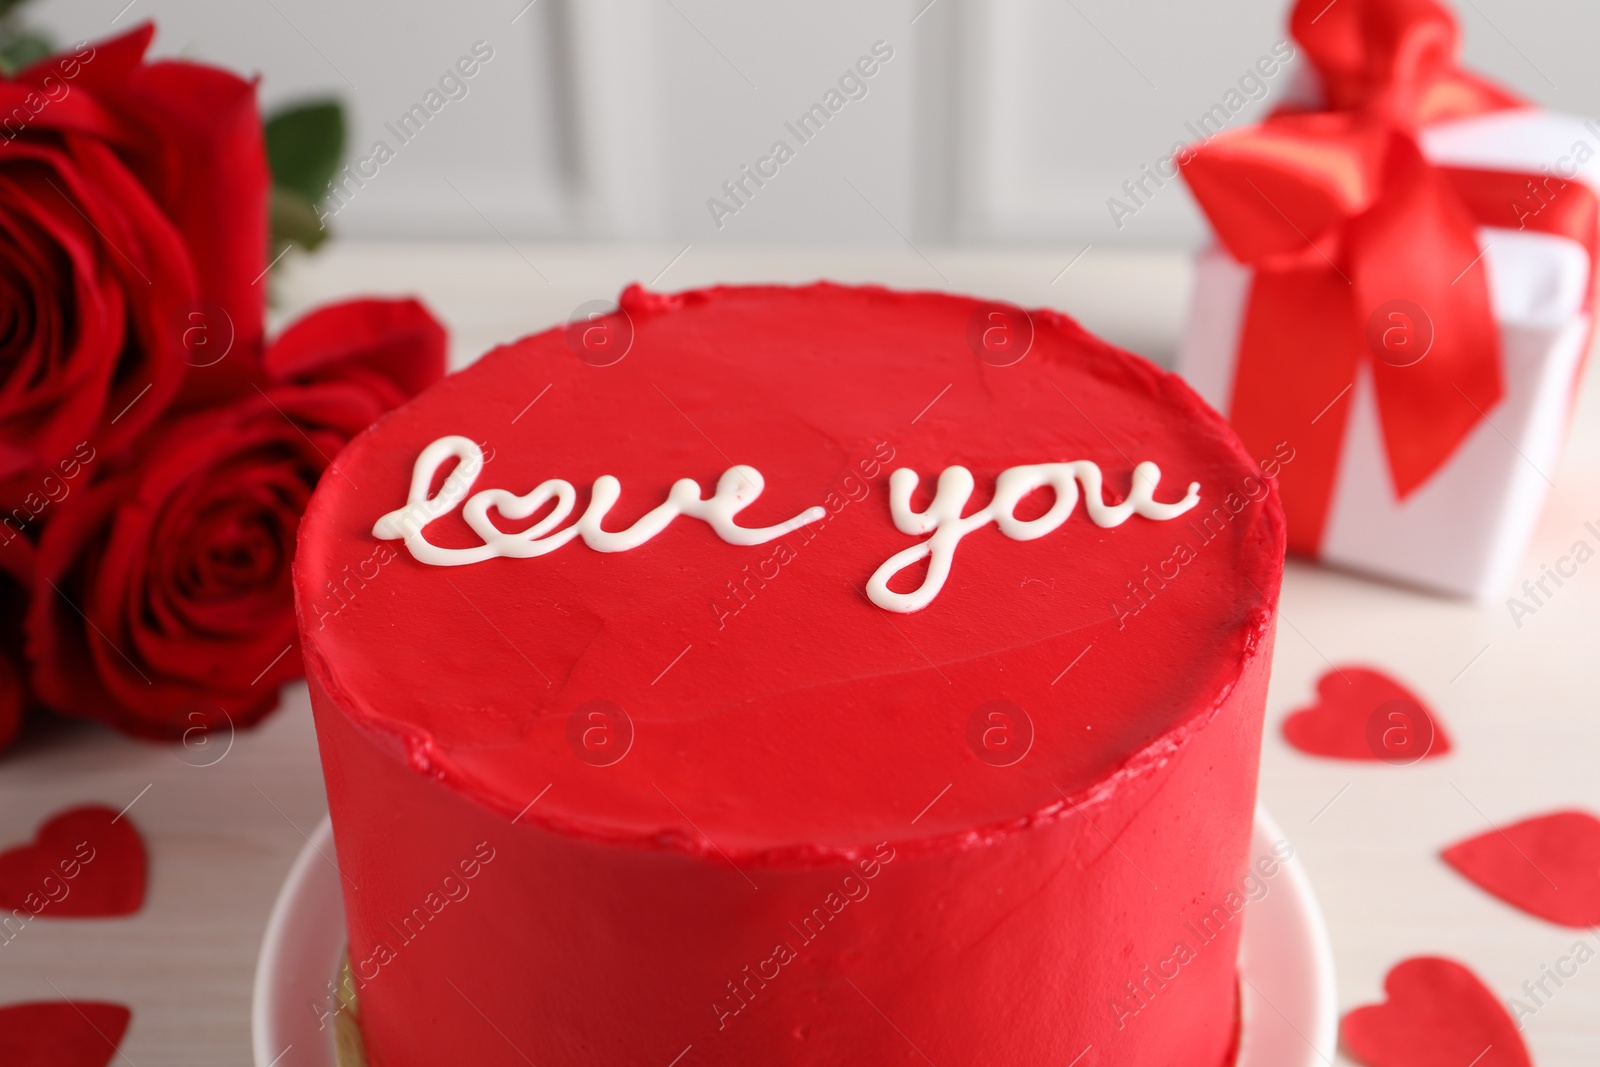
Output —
(739, 487)
(944, 522)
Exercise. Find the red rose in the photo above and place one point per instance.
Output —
(13, 690)
(132, 198)
(16, 577)
(163, 599)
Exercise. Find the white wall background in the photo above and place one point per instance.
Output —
(997, 121)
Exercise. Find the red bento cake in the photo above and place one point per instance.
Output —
(815, 675)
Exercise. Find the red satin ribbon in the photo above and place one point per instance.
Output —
(1340, 215)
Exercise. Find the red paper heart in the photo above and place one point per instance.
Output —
(1548, 866)
(60, 1033)
(1363, 714)
(83, 862)
(1438, 1015)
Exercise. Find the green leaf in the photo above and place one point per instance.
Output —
(294, 220)
(22, 49)
(305, 145)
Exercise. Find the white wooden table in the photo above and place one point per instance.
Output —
(1520, 704)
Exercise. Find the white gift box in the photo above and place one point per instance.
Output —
(1466, 529)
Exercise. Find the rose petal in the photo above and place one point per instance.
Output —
(206, 164)
(105, 65)
(396, 348)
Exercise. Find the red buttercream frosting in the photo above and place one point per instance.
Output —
(729, 804)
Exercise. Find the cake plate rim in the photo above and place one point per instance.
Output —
(1284, 948)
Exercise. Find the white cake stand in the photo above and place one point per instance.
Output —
(1285, 966)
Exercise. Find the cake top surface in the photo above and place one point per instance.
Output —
(778, 573)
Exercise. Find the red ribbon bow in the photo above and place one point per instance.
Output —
(1366, 254)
